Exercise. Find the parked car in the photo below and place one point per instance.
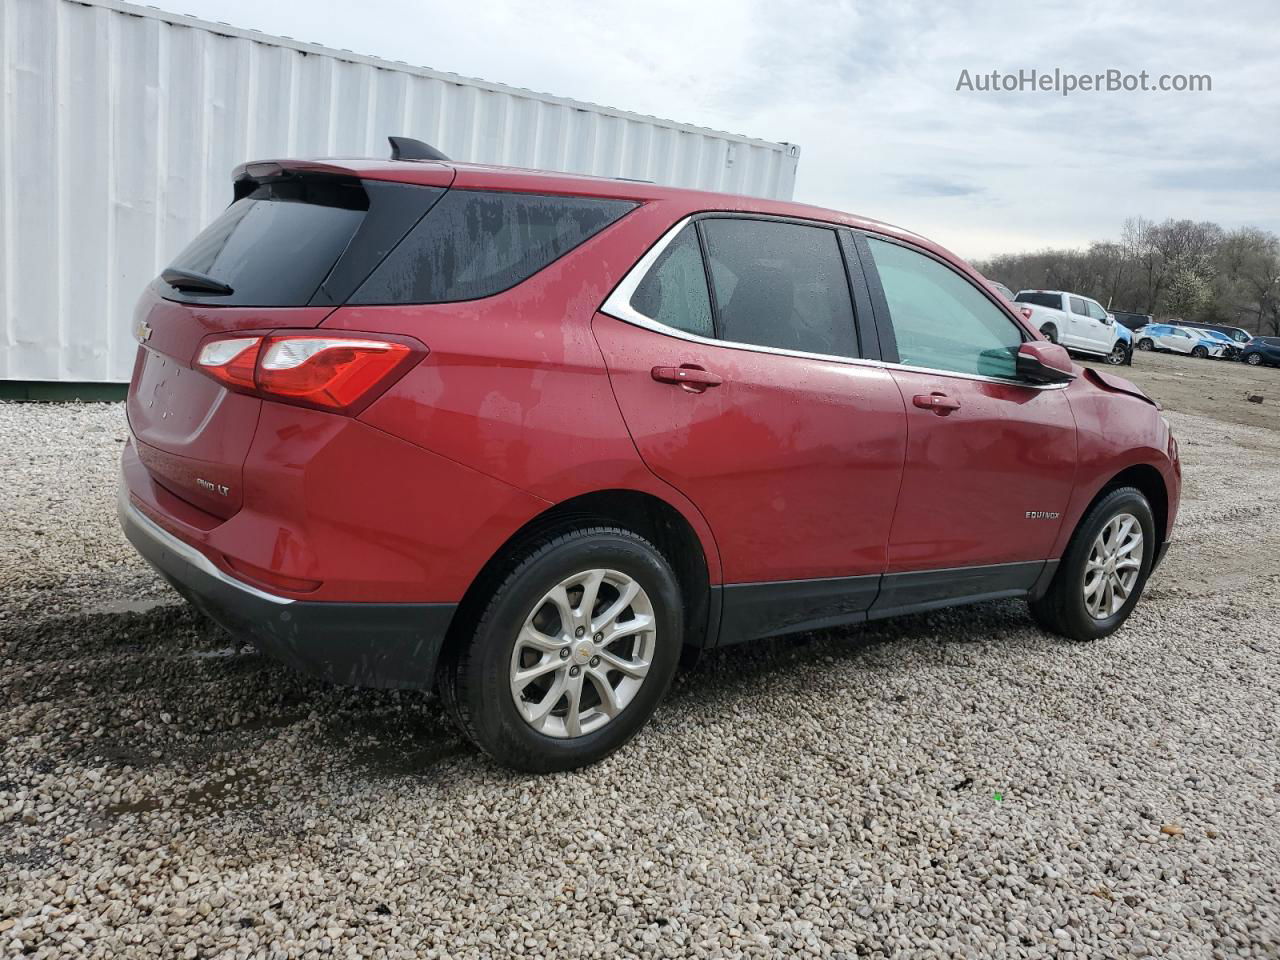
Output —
(1132, 321)
(1237, 334)
(1178, 339)
(1078, 323)
(1230, 349)
(1123, 355)
(1262, 350)
(529, 435)
(1003, 290)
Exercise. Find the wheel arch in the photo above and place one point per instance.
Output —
(1148, 480)
(641, 512)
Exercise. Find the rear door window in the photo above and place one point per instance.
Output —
(274, 246)
(780, 284)
(940, 320)
(674, 291)
(476, 243)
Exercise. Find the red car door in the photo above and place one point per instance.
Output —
(758, 410)
(990, 460)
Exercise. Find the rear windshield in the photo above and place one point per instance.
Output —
(1053, 300)
(274, 246)
(474, 244)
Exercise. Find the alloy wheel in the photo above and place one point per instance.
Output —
(1117, 355)
(1253, 359)
(1111, 572)
(583, 653)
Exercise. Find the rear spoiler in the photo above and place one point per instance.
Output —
(1114, 384)
(423, 173)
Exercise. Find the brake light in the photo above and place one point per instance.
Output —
(329, 372)
(340, 374)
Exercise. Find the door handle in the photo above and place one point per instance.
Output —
(939, 403)
(689, 376)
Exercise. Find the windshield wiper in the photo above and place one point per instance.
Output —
(194, 282)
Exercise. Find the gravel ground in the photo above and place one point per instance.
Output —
(954, 784)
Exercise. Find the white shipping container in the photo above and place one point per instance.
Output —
(120, 126)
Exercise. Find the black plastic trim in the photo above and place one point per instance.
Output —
(752, 611)
(879, 304)
(1041, 586)
(863, 314)
(357, 644)
(394, 210)
(921, 590)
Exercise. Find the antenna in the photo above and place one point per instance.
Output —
(406, 148)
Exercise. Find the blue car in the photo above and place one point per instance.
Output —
(1117, 357)
(1232, 351)
(1262, 350)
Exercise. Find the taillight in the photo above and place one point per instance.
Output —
(230, 361)
(328, 372)
(341, 374)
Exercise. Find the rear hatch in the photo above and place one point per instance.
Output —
(296, 240)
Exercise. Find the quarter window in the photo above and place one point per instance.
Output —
(780, 284)
(940, 320)
(475, 244)
(674, 291)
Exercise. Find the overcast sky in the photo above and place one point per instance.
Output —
(868, 90)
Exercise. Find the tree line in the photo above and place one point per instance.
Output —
(1176, 269)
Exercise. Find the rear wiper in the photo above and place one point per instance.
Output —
(194, 282)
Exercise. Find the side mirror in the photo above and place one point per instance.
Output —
(1042, 362)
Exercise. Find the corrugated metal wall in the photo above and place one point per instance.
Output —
(120, 126)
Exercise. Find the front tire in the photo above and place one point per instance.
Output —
(1118, 354)
(573, 653)
(1253, 359)
(1104, 569)
(1146, 343)
(1199, 352)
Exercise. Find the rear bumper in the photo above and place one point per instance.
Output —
(359, 644)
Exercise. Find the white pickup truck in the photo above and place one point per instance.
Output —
(1076, 322)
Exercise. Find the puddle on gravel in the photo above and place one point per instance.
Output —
(229, 790)
(217, 654)
(396, 760)
(129, 606)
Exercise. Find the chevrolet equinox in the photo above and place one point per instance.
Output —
(524, 436)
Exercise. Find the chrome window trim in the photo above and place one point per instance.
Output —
(618, 306)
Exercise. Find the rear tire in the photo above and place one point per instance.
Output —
(1065, 607)
(530, 724)
(1146, 343)
(1050, 332)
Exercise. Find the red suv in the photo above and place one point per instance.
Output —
(526, 435)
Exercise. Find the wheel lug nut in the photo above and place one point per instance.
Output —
(574, 671)
(598, 637)
(580, 631)
(595, 661)
(564, 653)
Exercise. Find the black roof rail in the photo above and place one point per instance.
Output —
(407, 148)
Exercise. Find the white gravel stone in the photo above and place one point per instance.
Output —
(950, 785)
